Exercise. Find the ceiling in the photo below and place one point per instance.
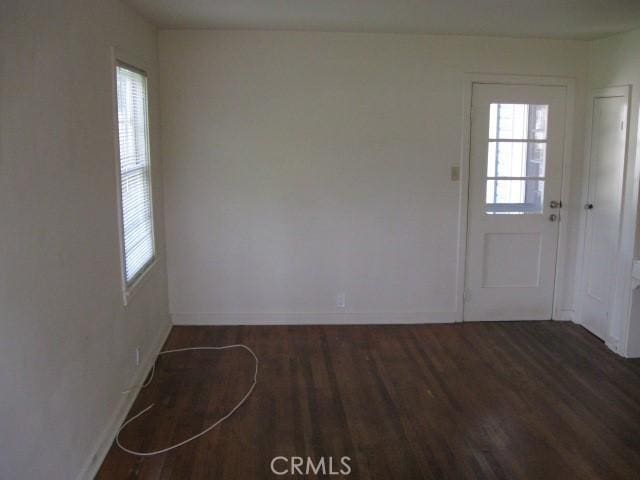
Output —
(576, 19)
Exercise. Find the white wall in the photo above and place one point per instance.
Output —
(616, 61)
(66, 342)
(301, 165)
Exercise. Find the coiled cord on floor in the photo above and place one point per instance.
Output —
(206, 430)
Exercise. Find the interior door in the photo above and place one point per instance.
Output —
(515, 180)
(604, 206)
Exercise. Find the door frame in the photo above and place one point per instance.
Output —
(560, 310)
(612, 91)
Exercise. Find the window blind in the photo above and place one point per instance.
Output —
(135, 172)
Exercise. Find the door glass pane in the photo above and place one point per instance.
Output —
(516, 159)
(514, 196)
(518, 121)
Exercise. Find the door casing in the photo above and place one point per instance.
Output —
(612, 342)
(560, 309)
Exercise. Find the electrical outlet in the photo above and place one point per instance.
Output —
(137, 356)
(341, 300)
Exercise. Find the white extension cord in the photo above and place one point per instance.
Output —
(209, 428)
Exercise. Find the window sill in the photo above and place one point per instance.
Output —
(131, 290)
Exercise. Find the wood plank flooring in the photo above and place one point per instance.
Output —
(515, 400)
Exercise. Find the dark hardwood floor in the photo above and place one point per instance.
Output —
(534, 400)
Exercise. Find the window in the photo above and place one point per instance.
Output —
(516, 158)
(136, 212)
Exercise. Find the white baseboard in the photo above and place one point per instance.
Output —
(329, 318)
(628, 353)
(105, 440)
(613, 344)
(564, 315)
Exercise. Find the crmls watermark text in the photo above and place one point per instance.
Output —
(310, 466)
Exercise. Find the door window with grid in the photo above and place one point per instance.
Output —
(516, 158)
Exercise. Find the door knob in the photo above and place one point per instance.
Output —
(555, 204)
(589, 206)
(553, 217)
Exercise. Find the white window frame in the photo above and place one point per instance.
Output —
(520, 208)
(119, 58)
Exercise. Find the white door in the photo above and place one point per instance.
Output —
(604, 206)
(515, 180)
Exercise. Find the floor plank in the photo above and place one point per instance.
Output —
(509, 400)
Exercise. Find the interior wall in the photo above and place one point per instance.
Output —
(299, 166)
(615, 61)
(67, 347)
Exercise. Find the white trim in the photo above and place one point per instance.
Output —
(463, 199)
(560, 303)
(559, 310)
(130, 291)
(119, 56)
(617, 345)
(627, 349)
(308, 318)
(565, 315)
(632, 169)
(100, 449)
